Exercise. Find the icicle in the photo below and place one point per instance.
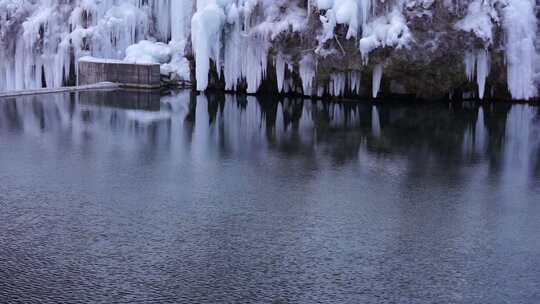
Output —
(206, 28)
(162, 16)
(365, 6)
(181, 11)
(307, 73)
(337, 84)
(354, 82)
(279, 63)
(477, 61)
(255, 62)
(482, 71)
(234, 47)
(470, 65)
(377, 76)
(320, 91)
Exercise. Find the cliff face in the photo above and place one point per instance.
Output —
(355, 48)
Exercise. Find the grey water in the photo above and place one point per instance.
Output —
(123, 197)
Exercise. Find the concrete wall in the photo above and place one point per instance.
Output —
(125, 74)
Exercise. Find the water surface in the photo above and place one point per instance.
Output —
(119, 197)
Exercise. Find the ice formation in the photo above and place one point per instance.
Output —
(519, 24)
(41, 40)
(377, 77)
(479, 20)
(235, 42)
(521, 27)
(477, 67)
(385, 31)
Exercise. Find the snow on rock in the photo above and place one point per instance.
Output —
(170, 57)
(148, 52)
(178, 65)
(389, 30)
(343, 12)
(479, 20)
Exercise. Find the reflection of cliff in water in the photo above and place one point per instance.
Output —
(501, 134)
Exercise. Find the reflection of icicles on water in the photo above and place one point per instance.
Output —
(35, 116)
(520, 156)
(475, 137)
(375, 122)
(480, 132)
(306, 120)
(203, 126)
(147, 117)
(280, 123)
(176, 103)
(201, 132)
(518, 136)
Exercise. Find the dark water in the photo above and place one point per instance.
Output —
(123, 198)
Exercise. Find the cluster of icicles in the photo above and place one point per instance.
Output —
(41, 40)
(237, 36)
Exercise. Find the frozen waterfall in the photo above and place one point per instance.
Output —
(243, 42)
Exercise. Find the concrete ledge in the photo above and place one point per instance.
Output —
(96, 86)
(130, 75)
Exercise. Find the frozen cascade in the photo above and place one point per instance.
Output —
(51, 34)
(206, 26)
(520, 27)
(180, 11)
(40, 40)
